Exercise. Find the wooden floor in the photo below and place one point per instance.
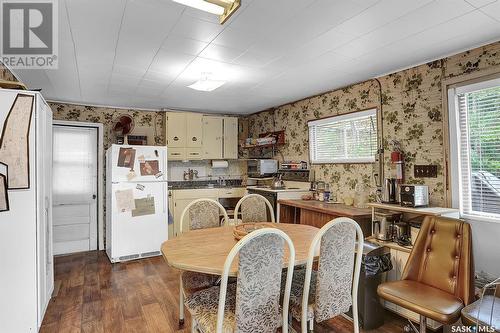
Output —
(91, 295)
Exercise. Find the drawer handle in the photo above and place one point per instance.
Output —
(194, 153)
(176, 138)
(194, 138)
(175, 154)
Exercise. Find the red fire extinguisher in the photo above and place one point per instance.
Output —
(398, 160)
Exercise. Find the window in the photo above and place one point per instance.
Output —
(347, 138)
(475, 149)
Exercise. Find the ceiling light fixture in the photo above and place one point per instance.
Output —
(206, 84)
(223, 8)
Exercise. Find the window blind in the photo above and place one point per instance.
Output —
(479, 151)
(348, 138)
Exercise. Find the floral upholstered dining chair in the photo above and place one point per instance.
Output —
(331, 290)
(202, 214)
(254, 208)
(253, 303)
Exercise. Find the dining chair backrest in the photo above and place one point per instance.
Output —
(203, 213)
(254, 208)
(261, 258)
(336, 287)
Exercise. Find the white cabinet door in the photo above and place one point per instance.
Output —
(176, 129)
(212, 137)
(230, 137)
(194, 130)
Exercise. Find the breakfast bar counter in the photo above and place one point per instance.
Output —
(318, 213)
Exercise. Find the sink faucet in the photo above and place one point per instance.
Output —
(221, 181)
(190, 174)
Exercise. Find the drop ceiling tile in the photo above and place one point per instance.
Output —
(254, 59)
(123, 80)
(215, 69)
(170, 63)
(435, 13)
(190, 27)
(105, 23)
(268, 14)
(220, 53)
(492, 10)
(480, 3)
(128, 70)
(184, 45)
(381, 13)
(158, 77)
(145, 27)
(237, 38)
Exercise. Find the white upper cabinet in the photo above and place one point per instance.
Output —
(193, 136)
(184, 135)
(176, 130)
(194, 130)
(220, 137)
(230, 138)
(212, 137)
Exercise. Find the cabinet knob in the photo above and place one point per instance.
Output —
(176, 138)
(194, 138)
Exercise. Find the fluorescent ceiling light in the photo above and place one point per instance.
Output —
(203, 5)
(206, 84)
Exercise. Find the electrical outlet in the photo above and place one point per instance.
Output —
(425, 171)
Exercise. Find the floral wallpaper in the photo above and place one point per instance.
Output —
(6, 74)
(412, 114)
(154, 121)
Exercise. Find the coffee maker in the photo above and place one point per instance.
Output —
(383, 225)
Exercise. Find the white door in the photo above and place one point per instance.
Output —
(75, 189)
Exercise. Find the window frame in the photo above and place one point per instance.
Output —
(455, 172)
(341, 117)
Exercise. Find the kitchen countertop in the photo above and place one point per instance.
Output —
(202, 184)
(328, 208)
(286, 189)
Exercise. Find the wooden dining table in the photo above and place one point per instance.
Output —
(205, 250)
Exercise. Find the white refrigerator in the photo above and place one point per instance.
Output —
(136, 201)
(27, 274)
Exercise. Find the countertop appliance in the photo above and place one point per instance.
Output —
(262, 168)
(389, 191)
(27, 277)
(383, 225)
(136, 201)
(414, 195)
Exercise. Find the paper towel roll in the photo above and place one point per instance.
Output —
(220, 164)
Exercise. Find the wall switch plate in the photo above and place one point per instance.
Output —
(425, 171)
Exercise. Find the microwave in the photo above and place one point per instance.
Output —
(262, 168)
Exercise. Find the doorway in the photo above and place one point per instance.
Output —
(77, 187)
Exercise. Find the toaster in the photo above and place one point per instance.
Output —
(414, 195)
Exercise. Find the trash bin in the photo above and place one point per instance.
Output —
(376, 262)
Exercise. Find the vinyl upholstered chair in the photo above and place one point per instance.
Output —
(253, 303)
(438, 279)
(254, 208)
(331, 290)
(203, 213)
